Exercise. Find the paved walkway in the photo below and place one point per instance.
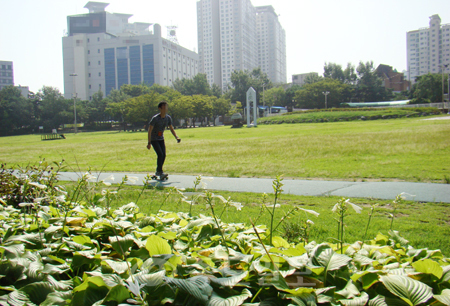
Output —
(423, 192)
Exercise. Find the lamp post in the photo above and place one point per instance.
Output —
(264, 101)
(442, 72)
(74, 102)
(326, 94)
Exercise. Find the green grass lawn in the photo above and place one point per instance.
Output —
(430, 229)
(410, 149)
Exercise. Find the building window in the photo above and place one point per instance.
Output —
(89, 86)
(98, 38)
(89, 75)
(99, 74)
(89, 63)
(98, 51)
(99, 62)
(89, 51)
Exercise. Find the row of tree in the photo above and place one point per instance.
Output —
(195, 100)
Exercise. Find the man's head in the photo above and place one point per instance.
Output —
(162, 104)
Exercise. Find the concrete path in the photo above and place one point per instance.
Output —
(423, 192)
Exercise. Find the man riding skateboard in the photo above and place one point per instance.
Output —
(156, 128)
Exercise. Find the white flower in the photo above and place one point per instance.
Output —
(354, 206)
(237, 205)
(107, 183)
(222, 198)
(335, 207)
(26, 204)
(61, 198)
(38, 185)
(132, 179)
(310, 222)
(271, 205)
(38, 200)
(310, 211)
(110, 178)
(89, 177)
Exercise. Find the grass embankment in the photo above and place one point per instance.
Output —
(430, 229)
(403, 149)
(337, 114)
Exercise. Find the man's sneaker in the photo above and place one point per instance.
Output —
(163, 175)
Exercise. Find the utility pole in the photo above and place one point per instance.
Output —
(74, 101)
(326, 94)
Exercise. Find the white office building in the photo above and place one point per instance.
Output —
(271, 44)
(227, 39)
(428, 49)
(103, 51)
(6, 74)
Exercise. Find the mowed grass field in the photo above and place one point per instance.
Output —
(410, 149)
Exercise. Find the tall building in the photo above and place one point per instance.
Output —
(271, 44)
(6, 74)
(103, 51)
(228, 40)
(428, 49)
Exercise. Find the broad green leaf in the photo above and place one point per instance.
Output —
(217, 300)
(350, 291)
(325, 295)
(411, 291)
(37, 292)
(229, 281)
(118, 267)
(168, 235)
(356, 301)
(379, 300)
(83, 240)
(197, 286)
(279, 242)
(57, 298)
(93, 289)
(121, 244)
(428, 266)
(324, 256)
(117, 294)
(444, 297)
(18, 298)
(150, 280)
(157, 245)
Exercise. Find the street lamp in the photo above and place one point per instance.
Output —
(74, 102)
(264, 102)
(442, 72)
(326, 94)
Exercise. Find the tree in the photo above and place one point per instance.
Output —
(201, 107)
(140, 110)
(313, 78)
(96, 108)
(369, 86)
(182, 108)
(16, 112)
(334, 71)
(115, 106)
(55, 110)
(275, 97)
(290, 94)
(220, 107)
(428, 88)
(311, 96)
(135, 90)
(216, 90)
(196, 86)
(243, 80)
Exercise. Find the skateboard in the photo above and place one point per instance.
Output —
(163, 177)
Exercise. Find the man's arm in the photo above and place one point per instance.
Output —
(150, 129)
(173, 133)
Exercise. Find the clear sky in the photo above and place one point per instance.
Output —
(317, 31)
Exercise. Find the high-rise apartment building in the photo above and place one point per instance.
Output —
(271, 44)
(428, 49)
(228, 40)
(6, 74)
(103, 51)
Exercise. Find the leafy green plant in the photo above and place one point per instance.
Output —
(81, 254)
(341, 210)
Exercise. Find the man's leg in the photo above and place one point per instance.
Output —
(160, 149)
